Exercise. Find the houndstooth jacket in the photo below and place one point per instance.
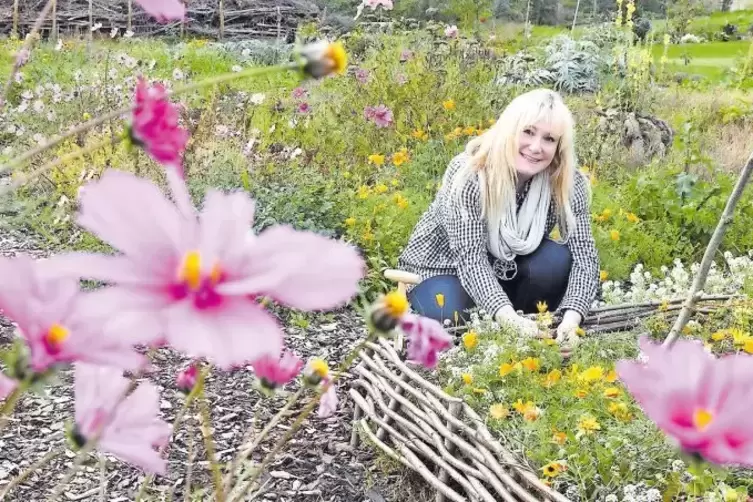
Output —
(443, 242)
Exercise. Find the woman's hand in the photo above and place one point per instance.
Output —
(567, 330)
(507, 316)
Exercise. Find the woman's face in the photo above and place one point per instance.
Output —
(537, 145)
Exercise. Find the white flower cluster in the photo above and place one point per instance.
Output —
(676, 282)
(640, 493)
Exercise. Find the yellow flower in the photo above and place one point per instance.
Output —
(420, 135)
(467, 378)
(401, 201)
(559, 437)
(381, 188)
(588, 425)
(611, 376)
(612, 392)
(581, 393)
(401, 157)
(376, 159)
(592, 374)
(632, 218)
(603, 275)
(614, 235)
(470, 340)
(316, 370)
(530, 363)
(478, 390)
(542, 307)
(367, 236)
(620, 411)
(449, 104)
(87, 116)
(522, 407)
(606, 213)
(748, 347)
(350, 221)
(531, 414)
(552, 378)
(498, 411)
(469, 130)
(439, 297)
(552, 469)
(718, 336)
(580, 331)
(505, 369)
(363, 192)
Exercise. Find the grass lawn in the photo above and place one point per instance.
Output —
(710, 59)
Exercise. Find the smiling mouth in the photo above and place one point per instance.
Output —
(530, 159)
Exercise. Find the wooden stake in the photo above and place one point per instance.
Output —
(708, 256)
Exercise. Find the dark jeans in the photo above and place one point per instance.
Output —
(542, 276)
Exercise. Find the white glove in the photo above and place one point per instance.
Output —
(507, 316)
(566, 331)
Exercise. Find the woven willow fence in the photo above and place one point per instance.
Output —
(442, 438)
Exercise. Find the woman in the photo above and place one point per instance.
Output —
(484, 239)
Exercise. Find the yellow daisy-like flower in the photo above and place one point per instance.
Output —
(467, 378)
(376, 159)
(396, 303)
(612, 392)
(401, 157)
(614, 235)
(505, 369)
(448, 104)
(381, 188)
(419, 134)
(552, 378)
(611, 376)
(592, 374)
(470, 340)
(553, 469)
(559, 437)
(531, 363)
(350, 221)
(620, 411)
(718, 336)
(316, 370)
(498, 411)
(603, 275)
(632, 218)
(542, 307)
(363, 192)
(588, 425)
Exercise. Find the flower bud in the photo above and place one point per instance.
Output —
(186, 379)
(388, 311)
(324, 58)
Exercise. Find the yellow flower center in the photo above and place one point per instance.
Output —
(190, 271)
(702, 418)
(320, 368)
(336, 53)
(56, 335)
(396, 303)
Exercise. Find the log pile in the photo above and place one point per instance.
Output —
(240, 19)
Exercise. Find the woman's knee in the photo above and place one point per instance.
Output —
(441, 297)
(551, 262)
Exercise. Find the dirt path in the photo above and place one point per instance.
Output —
(318, 464)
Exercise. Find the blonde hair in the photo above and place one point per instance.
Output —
(492, 156)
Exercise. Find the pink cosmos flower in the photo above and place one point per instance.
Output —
(59, 323)
(702, 402)
(164, 10)
(380, 115)
(154, 126)
(426, 338)
(186, 379)
(194, 280)
(275, 371)
(303, 108)
(131, 429)
(7, 385)
(299, 93)
(362, 75)
(328, 401)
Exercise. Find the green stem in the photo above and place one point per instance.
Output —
(251, 72)
(245, 451)
(177, 422)
(206, 429)
(11, 401)
(48, 457)
(307, 410)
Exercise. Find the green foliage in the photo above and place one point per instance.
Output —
(575, 421)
